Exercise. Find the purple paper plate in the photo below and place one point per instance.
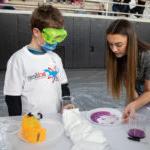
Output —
(96, 115)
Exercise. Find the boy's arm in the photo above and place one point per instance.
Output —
(14, 105)
(62, 76)
(65, 90)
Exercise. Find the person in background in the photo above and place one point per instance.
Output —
(125, 7)
(116, 7)
(139, 9)
(128, 64)
(4, 5)
(35, 79)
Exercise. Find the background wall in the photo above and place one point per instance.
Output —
(83, 48)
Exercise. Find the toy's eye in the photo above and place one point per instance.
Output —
(40, 115)
(29, 114)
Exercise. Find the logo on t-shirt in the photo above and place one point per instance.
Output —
(49, 73)
(52, 73)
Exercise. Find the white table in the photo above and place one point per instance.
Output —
(116, 136)
(62, 143)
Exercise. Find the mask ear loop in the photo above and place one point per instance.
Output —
(36, 32)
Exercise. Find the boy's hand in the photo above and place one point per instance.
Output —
(68, 106)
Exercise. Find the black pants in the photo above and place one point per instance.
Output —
(138, 9)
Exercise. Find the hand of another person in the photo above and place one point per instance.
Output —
(129, 111)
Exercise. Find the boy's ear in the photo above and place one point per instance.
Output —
(36, 32)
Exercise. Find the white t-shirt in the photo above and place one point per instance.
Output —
(37, 78)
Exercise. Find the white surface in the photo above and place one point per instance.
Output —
(81, 131)
(54, 130)
(118, 138)
(115, 135)
(13, 127)
(105, 119)
(83, 145)
(56, 139)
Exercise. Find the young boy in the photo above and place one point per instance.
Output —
(35, 79)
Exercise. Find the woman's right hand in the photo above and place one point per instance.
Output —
(129, 111)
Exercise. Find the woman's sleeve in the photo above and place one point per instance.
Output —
(147, 65)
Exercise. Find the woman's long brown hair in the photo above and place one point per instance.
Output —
(123, 70)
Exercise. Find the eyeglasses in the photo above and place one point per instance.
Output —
(117, 45)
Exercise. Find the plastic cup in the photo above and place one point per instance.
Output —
(136, 126)
(68, 102)
(148, 135)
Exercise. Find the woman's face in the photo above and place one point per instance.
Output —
(118, 44)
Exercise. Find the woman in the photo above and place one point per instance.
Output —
(128, 63)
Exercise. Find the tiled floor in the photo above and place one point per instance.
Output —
(88, 86)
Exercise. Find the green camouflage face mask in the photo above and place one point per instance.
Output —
(53, 35)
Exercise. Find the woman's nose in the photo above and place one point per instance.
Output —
(114, 48)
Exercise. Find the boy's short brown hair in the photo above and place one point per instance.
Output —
(46, 16)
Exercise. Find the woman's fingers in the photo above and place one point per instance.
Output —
(128, 112)
(125, 117)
